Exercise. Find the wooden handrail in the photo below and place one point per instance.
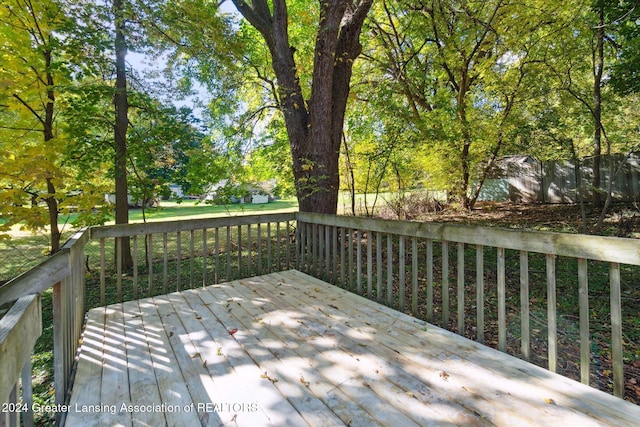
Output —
(597, 248)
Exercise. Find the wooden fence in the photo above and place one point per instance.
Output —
(524, 179)
(463, 278)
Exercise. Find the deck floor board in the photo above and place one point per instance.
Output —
(288, 349)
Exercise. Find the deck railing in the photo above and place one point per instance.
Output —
(22, 325)
(442, 273)
(484, 283)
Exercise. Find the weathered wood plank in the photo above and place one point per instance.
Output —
(414, 371)
(85, 403)
(502, 301)
(114, 391)
(38, 279)
(460, 287)
(525, 345)
(20, 327)
(493, 373)
(552, 320)
(267, 372)
(583, 298)
(164, 363)
(600, 248)
(310, 353)
(327, 380)
(120, 230)
(479, 293)
(143, 387)
(616, 329)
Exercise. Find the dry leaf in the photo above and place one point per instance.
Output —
(550, 401)
(303, 382)
(232, 331)
(444, 375)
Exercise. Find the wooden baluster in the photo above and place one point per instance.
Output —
(150, 263)
(135, 267)
(524, 306)
(369, 264)
(205, 253)
(102, 274)
(165, 264)
(192, 255)
(216, 254)
(378, 266)
(178, 259)
(401, 273)
(359, 261)
(616, 330)
(429, 280)
(502, 302)
(552, 323)
(461, 288)
(445, 284)
(583, 298)
(480, 292)
(414, 276)
(389, 270)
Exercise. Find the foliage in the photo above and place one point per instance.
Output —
(40, 179)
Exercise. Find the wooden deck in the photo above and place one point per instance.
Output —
(287, 349)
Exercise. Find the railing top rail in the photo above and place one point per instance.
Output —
(38, 279)
(598, 248)
(44, 275)
(123, 230)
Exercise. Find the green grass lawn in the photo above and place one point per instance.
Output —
(25, 250)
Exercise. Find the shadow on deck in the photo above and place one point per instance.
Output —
(289, 349)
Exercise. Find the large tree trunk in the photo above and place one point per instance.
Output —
(120, 129)
(314, 126)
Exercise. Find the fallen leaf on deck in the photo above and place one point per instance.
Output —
(550, 401)
(232, 331)
(303, 382)
(219, 351)
(266, 376)
(444, 375)
(198, 317)
(195, 355)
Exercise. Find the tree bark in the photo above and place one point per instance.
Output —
(49, 118)
(121, 124)
(314, 126)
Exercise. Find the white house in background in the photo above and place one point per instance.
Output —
(258, 199)
(111, 200)
(176, 191)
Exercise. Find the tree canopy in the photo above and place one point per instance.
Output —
(369, 96)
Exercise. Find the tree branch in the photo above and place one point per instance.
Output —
(34, 112)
